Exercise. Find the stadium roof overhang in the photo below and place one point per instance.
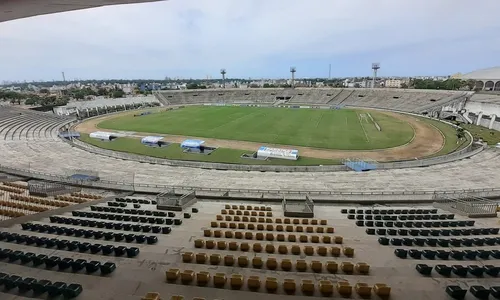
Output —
(17, 9)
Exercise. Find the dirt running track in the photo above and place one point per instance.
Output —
(427, 140)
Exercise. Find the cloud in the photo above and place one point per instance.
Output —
(252, 38)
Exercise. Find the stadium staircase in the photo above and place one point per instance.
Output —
(344, 97)
(161, 98)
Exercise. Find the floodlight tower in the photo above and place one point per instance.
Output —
(375, 68)
(293, 70)
(223, 73)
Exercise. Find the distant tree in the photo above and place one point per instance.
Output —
(102, 92)
(460, 133)
(44, 91)
(404, 85)
(118, 93)
(357, 85)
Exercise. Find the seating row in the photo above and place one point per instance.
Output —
(52, 261)
(84, 195)
(107, 225)
(36, 200)
(445, 255)
(113, 217)
(117, 204)
(433, 242)
(478, 291)
(131, 211)
(308, 287)
(28, 207)
(270, 227)
(404, 217)
(16, 185)
(261, 219)
(459, 270)
(325, 239)
(248, 207)
(11, 213)
(247, 213)
(88, 234)
(432, 232)
(140, 201)
(12, 189)
(270, 248)
(417, 224)
(272, 264)
(71, 199)
(39, 287)
(411, 211)
(67, 245)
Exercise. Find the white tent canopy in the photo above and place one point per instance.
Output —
(151, 139)
(290, 154)
(102, 135)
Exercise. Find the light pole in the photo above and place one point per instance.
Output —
(223, 73)
(375, 68)
(293, 70)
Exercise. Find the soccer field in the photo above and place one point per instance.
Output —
(344, 129)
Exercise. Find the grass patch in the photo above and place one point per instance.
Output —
(174, 151)
(452, 143)
(490, 136)
(320, 128)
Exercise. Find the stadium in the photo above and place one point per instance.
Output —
(383, 200)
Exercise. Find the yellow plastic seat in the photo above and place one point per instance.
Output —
(228, 260)
(215, 259)
(309, 250)
(326, 287)
(238, 235)
(262, 208)
(301, 265)
(224, 211)
(259, 236)
(249, 235)
(269, 214)
(278, 221)
(269, 227)
(271, 263)
(187, 276)
(289, 286)
(227, 206)
(299, 229)
(308, 287)
(199, 243)
(254, 213)
(253, 283)
(237, 218)
(201, 258)
(232, 225)
(231, 212)
(322, 251)
(221, 245)
(316, 266)
(228, 234)
(330, 230)
(315, 239)
(338, 239)
(245, 219)
(292, 238)
(320, 230)
(261, 220)
(348, 251)
(257, 262)
(305, 221)
(382, 290)
(314, 222)
(280, 237)
(309, 229)
(323, 223)
(268, 208)
(238, 213)
(172, 275)
(202, 278)
(236, 281)
(327, 239)
(344, 288)
(271, 284)
(210, 244)
(249, 207)
(243, 261)
(362, 268)
(233, 246)
(246, 213)
(296, 250)
(251, 226)
(187, 257)
(219, 218)
(241, 207)
(286, 264)
(289, 228)
(270, 248)
(242, 226)
(363, 289)
(214, 224)
(332, 267)
(207, 233)
(282, 249)
(335, 251)
(223, 225)
(228, 218)
(219, 280)
(347, 267)
(303, 238)
(257, 247)
(218, 233)
(269, 237)
(295, 221)
(151, 296)
(177, 297)
(279, 227)
(253, 219)
(262, 214)
(245, 247)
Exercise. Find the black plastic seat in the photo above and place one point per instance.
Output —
(476, 270)
(491, 270)
(494, 230)
(414, 253)
(445, 224)
(453, 224)
(107, 249)
(136, 228)
(419, 217)
(379, 224)
(132, 252)
(456, 292)
(457, 255)
(51, 262)
(403, 232)
(429, 254)
(155, 229)
(424, 232)
(367, 217)
(40, 286)
(455, 242)
(470, 222)
(459, 270)
(108, 236)
(495, 254)
(29, 240)
(92, 266)
(398, 224)
(483, 254)
(443, 254)
(470, 254)
(27, 257)
(445, 232)
(98, 234)
(151, 220)
(407, 241)
(65, 263)
(84, 247)
(107, 268)
(120, 251)
(88, 234)
(418, 224)
(403, 218)
(369, 223)
(419, 242)
(386, 218)
(95, 248)
(435, 232)
(443, 242)
(167, 230)
(11, 282)
(56, 288)
(490, 241)
(480, 292)
(20, 239)
(177, 222)
(146, 228)
(50, 243)
(495, 291)
(401, 253)
(109, 225)
(101, 224)
(151, 240)
(140, 238)
(360, 223)
(389, 224)
(171, 221)
(411, 217)
(129, 238)
(426, 217)
(443, 270)
(414, 232)
(427, 224)
(4, 253)
(408, 224)
(72, 291)
(383, 241)
(431, 242)
(478, 241)
(73, 245)
(78, 264)
(424, 269)
(15, 255)
(462, 223)
(392, 232)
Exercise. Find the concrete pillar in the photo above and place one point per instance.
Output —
(492, 121)
(479, 117)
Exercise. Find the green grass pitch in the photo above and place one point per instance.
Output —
(344, 129)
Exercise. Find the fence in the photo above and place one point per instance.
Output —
(469, 205)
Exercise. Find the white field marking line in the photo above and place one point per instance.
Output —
(361, 123)
(319, 120)
(237, 119)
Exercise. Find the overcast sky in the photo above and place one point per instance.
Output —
(254, 38)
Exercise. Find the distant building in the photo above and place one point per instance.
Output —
(393, 83)
(486, 79)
